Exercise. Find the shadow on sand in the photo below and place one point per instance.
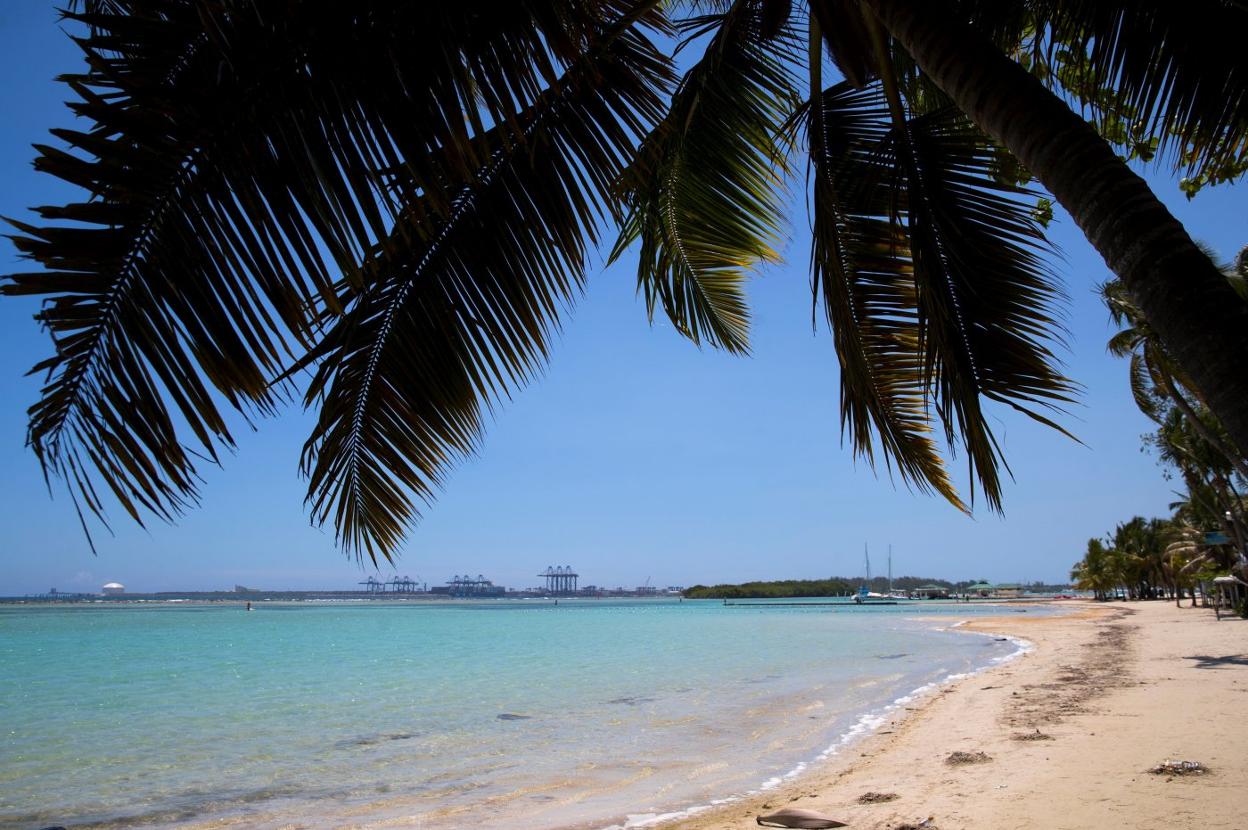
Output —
(1205, 661)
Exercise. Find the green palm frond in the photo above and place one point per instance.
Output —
(244, 171)
(1124, 342)
(1151, 365)
(862, 270)
(1177, 71)
(1144, 387)
(986, 299)
(448, 325)
(704, 193)
(933, 285)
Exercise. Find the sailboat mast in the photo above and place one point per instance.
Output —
(867, 556)
(890, 568)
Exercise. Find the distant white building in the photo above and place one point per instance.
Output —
(113, 589)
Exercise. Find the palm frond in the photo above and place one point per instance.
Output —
(449, 324)
(862, 270)
(986, 299)
(244, 169)
(1144, 387)
(933, 284)
(704, 193)
(1177, 70)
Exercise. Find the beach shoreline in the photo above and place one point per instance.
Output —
(1071, 727)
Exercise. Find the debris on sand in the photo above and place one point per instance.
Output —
(1169, 767)
(1031, 736)
(959, 758)
(925, 824)
(804, 819)
(876, 798)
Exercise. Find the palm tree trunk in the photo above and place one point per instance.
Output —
(1187, 301)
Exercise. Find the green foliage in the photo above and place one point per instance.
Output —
(704, 192)
(772, 590)
(1165, 81)
(1189, 441)
(1043, 212)
(830, 587)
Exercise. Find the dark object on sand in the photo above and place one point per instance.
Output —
(514, 716)
(1169, 767)
(876, 798)
(1032, 736)
(803, 819)
(958, 758)
(925, 824)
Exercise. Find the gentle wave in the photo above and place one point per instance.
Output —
(866, 724)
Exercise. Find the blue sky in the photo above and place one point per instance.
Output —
(636, 456)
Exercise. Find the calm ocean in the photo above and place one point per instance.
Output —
(507, 713)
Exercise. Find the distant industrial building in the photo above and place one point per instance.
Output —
(113, 589)
(560, 580)
(467, 586)
(398, 585)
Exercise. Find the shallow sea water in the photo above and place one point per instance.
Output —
(509, 713)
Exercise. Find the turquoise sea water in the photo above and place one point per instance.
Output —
(505, 713)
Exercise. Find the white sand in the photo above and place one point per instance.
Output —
(1119, 688)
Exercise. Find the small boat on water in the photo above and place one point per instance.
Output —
(865, 594)
(891, 593)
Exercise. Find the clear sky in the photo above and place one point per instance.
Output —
(638, 456)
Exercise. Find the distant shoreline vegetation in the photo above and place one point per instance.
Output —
(758, 590)
(836, 586)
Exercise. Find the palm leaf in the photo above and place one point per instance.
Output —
(703, 195)
(933, 285)
(458, 309)
(862, 270)
(244, 170)
(1178, 70)
(1144, 387)
(985, 298)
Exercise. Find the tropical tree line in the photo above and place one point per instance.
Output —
(386, 210)
(837, 586)
(1151, 559)
(831, 587)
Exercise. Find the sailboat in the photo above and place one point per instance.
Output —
(865, 594)
(891, 593)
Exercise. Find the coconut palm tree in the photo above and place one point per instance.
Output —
(397, 199)
(1096, 571)
(1214, 498)
(1157, 381)
(1184, 555)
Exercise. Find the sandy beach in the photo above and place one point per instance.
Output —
(1070, 731)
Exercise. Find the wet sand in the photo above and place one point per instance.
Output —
(1070, 731)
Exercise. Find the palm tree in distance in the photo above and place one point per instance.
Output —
(398, 199)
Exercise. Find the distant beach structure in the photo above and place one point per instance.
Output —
(112, 589)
